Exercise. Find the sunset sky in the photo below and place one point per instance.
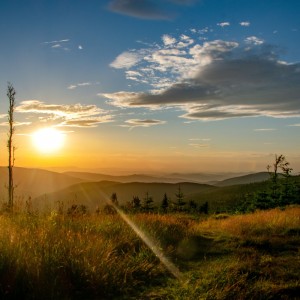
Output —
(152, 86)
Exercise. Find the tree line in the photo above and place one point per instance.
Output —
(282, 188)
(147, 205)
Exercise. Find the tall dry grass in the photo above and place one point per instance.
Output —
(101, 257)
(272, 222)
(55, 256)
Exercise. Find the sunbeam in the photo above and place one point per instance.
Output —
(148, 241)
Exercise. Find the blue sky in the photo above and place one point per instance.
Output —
(145, 85)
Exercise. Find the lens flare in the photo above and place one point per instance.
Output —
(148, 241)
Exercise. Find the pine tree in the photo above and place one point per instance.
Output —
(136, 203)
(165, 203)
(148, 202)
(180, 199)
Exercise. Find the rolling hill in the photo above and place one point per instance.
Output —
(93, 194)
(249, 178)
(46, 188)
(34, 182)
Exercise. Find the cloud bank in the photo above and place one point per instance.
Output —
(213, 80)
(145, 9)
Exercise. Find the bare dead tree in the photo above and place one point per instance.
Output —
(10, 145)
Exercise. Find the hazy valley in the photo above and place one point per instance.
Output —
(47, 188)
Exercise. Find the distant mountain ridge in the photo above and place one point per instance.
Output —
(94, 194)
(34, 182)
(122, 178)
(168, 178)
(245, 179)
(48, 187)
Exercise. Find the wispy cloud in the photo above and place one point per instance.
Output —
(74, 86)
(196, 145)
(75, 115)
(254, 40)
(192, 79)
(59, 44)
(143, 123)
(86, 122)
(245, 24)
(56, 46)
(126, 60)
(15, 123)
(265, 129)
(58, 41)
(197, 139)
(199, 142)
(145, 9)
(223, 24)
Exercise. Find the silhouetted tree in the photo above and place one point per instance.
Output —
(204, 208)
(136, 203)
(109, 208)
(281, 191)
(289, 188)
(180, 199)
(273, 172)
(114, 199)
(11, 148)
(165, 203)
(192, 205)
(148, 203)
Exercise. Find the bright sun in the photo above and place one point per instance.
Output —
(48, 140)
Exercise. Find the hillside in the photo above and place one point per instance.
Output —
(93, 194)
(209, 178)
(35, 182)
(249, 178)
(226, 198)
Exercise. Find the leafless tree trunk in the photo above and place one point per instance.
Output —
(11, 149)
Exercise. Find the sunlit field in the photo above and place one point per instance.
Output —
(150, 150)
(99, 256)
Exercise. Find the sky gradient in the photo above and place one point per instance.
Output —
(153, 86)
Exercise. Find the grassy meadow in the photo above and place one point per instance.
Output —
(99, 256)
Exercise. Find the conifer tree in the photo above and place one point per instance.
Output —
(180, 199)
(165, 203)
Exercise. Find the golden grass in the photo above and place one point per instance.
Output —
(272, 222)
(101, 257)
(92, 254)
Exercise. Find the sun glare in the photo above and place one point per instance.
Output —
(48, 140)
